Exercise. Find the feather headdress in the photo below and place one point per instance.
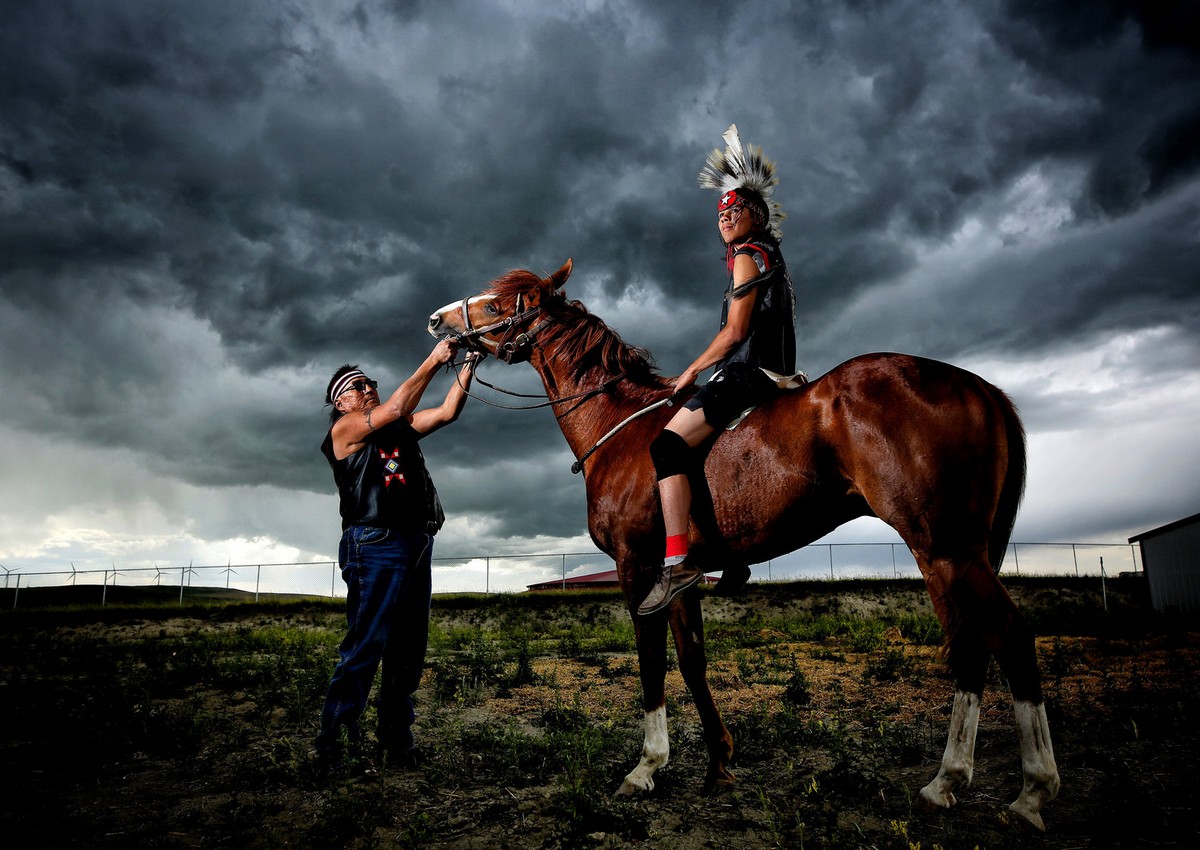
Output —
(744, 167)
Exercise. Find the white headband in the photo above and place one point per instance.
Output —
(340, 386)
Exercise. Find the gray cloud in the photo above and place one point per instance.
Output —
(206, 208)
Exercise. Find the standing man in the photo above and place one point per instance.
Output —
(390, 513)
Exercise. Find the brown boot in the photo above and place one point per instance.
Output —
(672, 581)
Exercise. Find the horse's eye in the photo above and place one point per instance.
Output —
(490, 309)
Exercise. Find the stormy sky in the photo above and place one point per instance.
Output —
(208, 206)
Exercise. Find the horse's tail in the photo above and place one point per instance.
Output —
(1013, 488)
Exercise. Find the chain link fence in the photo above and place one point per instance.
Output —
(489, 574)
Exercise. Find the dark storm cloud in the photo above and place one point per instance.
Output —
(205, 208)
(1135, 64)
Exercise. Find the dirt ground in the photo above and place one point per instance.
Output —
(535, 764)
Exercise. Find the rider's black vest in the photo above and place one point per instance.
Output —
(771, 343)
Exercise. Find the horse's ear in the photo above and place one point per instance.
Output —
(559, 278)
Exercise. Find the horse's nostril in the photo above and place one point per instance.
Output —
(435, 322)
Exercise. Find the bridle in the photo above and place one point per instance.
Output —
(512, 347)
(511, 344)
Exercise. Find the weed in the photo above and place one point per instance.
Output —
(865, 635)
(569, 645)
(562, 718)
(178, 727)
(417, 832)
(464, 676)
(798, 689)
(921, 629)
(522, 672)
(892, 666)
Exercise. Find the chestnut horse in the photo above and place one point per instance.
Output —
(934, 451)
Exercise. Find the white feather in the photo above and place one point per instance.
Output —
(743, 167)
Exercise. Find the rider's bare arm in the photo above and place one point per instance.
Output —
(736, 328)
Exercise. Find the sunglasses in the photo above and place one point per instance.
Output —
(360, 386)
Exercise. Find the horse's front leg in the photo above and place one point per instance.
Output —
(651, 636)
(687, 625)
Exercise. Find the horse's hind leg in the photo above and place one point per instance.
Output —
(651, 636)
(1017, 656)
(1038, 768)
(687, 625)
(981, 620)
(1009, 637)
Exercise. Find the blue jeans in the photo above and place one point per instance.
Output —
(387, 575)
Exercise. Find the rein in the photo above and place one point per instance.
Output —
(549, 402)
(577, 466)
(507, 350)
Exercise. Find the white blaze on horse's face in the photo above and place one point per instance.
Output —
(455, 318)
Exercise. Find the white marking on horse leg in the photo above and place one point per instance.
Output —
(958, 761)
(655, 752)
(1037, 762)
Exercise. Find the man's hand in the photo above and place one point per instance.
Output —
(444, 352)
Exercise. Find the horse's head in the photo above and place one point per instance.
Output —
(503, 320)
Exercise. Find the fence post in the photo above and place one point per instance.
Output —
(895, 574)
(182, 573)
(1016, 560)
(1103, 585)
(104, 590)
(257, 581)
(1076, 557)
(487, 576)
(829, 546)
(564, 568)
(16, 590)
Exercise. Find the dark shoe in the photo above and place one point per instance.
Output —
(328, 769)
(410, 758)
(733, 581)
(324, 763)
(671, 582)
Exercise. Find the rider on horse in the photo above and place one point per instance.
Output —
(757, 337)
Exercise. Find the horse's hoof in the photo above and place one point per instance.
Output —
(931, 800)
(718, 780)
(630, 788)
(1029, 816)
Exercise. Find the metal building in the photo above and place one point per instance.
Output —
(1171, 561)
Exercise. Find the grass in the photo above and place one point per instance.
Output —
(529, 717)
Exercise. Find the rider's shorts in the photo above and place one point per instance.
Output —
(730, 392)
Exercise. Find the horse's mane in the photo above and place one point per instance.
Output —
(586, 340)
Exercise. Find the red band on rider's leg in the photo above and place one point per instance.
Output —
(677, 545)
